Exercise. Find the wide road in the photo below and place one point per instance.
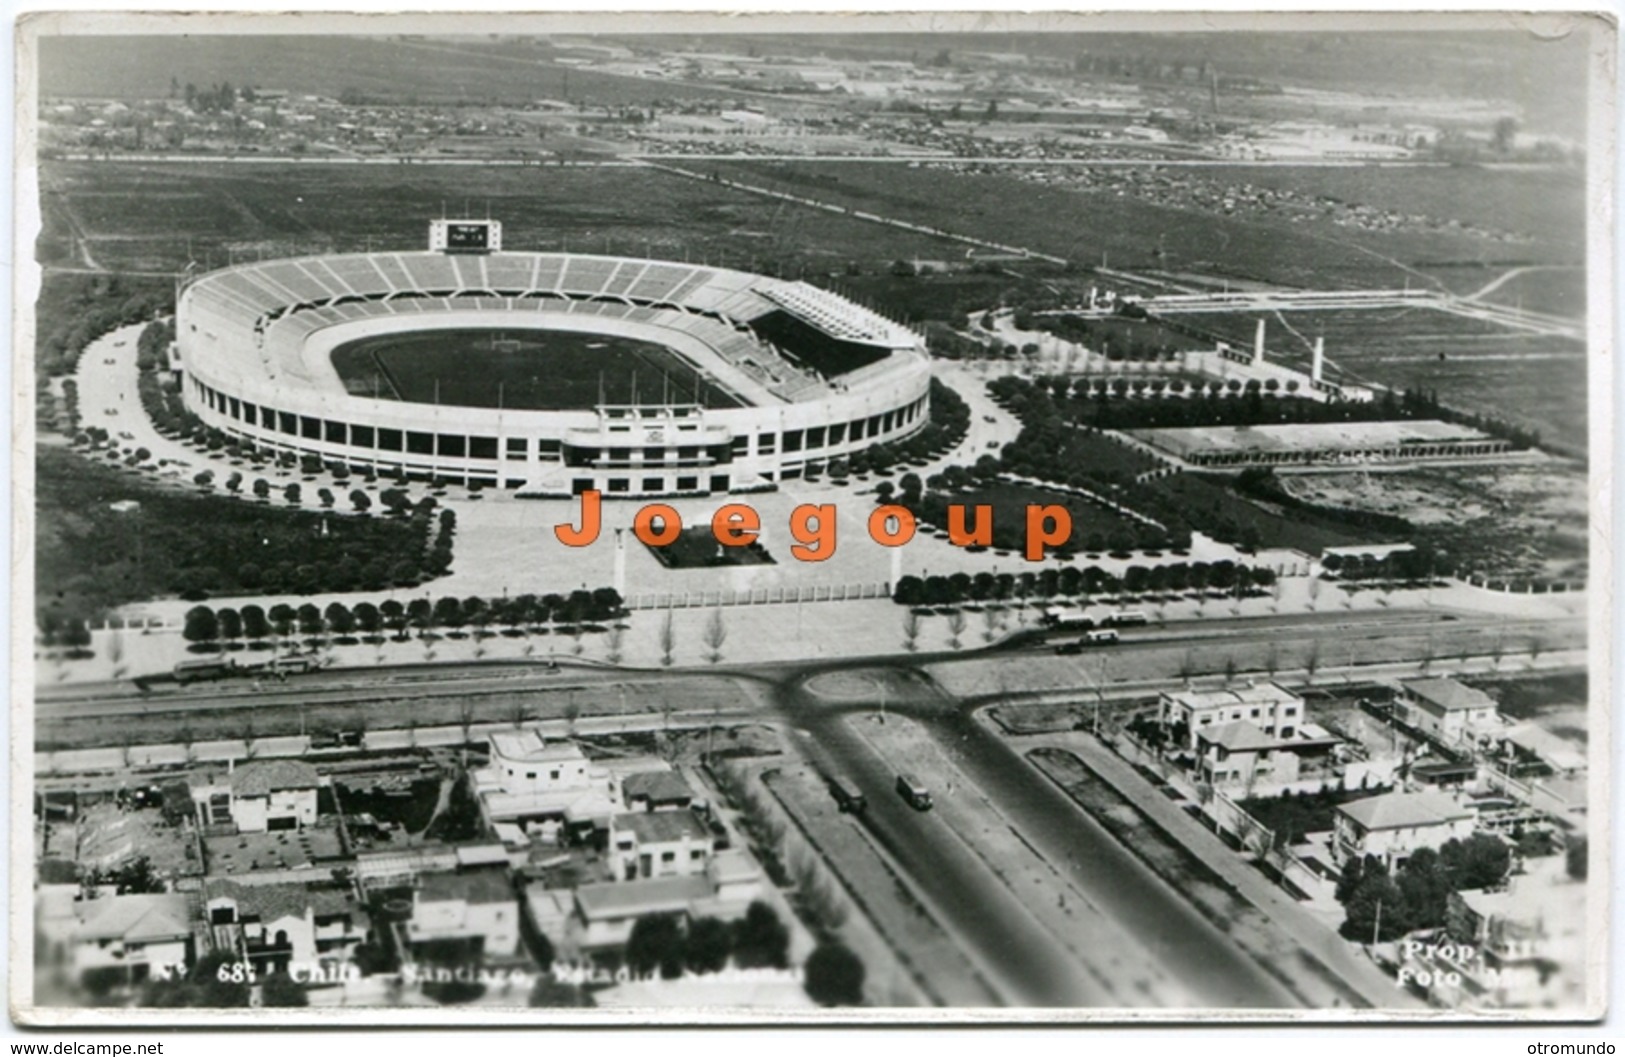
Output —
(985, 913)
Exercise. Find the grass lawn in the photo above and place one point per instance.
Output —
(541, 370)
(697, 548)
(150, 217)
(90, 559)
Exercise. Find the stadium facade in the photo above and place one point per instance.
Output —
(815, 377)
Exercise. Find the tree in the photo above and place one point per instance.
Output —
(1480, 861)
(340, 620)
(1576, 856)
(760, 939)
(834, 976)
(708, 945)
(368, 618)
(255, 626)
(1504, 134)
(262, 488)
(656, 943)
(231, 624)
(291, 493)
(359, 500)
(716, 633)
(201, 625)
(281, 990)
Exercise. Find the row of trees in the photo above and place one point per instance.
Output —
(661, 943)
(1072, 582)
(1381, 905)
(520, 613)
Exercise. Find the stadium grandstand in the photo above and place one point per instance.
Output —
(746, 380)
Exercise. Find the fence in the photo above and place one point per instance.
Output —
(760, 596)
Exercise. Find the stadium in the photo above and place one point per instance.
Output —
(546, 373)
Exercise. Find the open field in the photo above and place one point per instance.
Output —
(159, 217)
(1089, 226)
(540, 370)
(1554, 291)
(374, 68)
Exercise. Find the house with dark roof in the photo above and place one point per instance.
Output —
(275, 926)
(1393, 825)
(646, 844)
(1445, 710)
(656, 791)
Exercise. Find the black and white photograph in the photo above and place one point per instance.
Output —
(609, 519)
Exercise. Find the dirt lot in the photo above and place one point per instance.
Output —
(1512, 521)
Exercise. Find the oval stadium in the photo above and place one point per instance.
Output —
(546, 373)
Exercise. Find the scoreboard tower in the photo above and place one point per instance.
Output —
(465, 236)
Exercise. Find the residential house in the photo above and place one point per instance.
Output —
(1238, 753)
(1393, 825)
(1445, 710)
(143, 935)
(659, 844)
(1269, 707)
(275, 926)
(656, 791)
(476, 905)
(260, 796)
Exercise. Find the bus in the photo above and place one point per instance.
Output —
(848, 797)
(1098, 637)
(917, 795)
(203, 670)
(1062, 617)
(1130, 618)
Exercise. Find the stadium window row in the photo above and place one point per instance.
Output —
(805, 443)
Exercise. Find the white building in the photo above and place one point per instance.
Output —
(1445, 710)
(659, 844)
(473, 904)
(1269, 707)
(143, 935)
(1393, 825)
(544, 785)
(261, 796)
(277, 926)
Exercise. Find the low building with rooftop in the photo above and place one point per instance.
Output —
(1269, 707)
(644, 844)
(476, 905)
(544, 787)
(277, 926)
(134, 937)
(1446, 711)
(1393, 825)
(260, 796)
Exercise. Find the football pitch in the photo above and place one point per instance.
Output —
(520, 369)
